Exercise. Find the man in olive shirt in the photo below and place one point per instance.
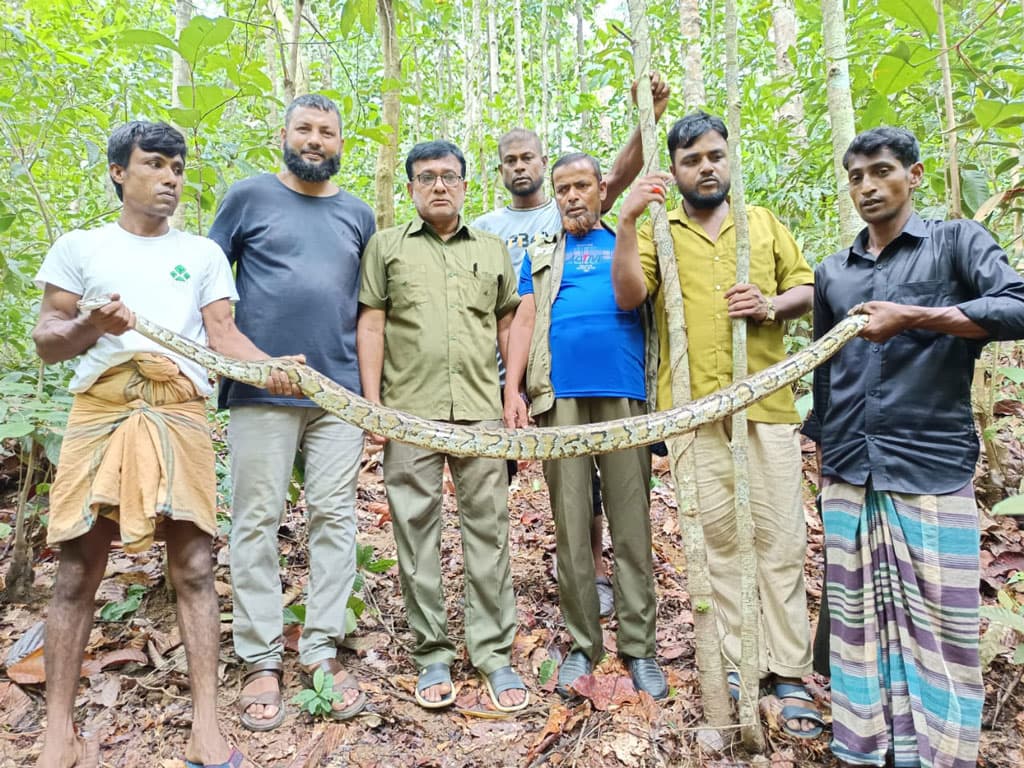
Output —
(435, 296)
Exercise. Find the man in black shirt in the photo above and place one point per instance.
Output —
(898, 449)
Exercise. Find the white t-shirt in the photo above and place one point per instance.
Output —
(168, 279)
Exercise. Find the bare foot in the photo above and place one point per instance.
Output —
(208, 747)
(436, 693)
(512, 698)
(69, 752)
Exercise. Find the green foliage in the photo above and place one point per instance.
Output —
(1012, 505)
(122, 609)
(547, 669)
(319, 699)
(1005, 618)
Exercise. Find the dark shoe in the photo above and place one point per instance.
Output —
(575, 666)
(647, 676)
(605, 596)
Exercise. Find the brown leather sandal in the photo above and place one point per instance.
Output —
(268, 668)
(348, 683)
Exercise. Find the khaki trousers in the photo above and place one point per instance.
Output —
(264, 439)
(413, 478)
(780, 541)
(625, 486)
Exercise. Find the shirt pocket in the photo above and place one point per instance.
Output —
(924, 293)
(479, 291)
(407, 285)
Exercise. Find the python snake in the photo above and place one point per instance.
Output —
(501, 443)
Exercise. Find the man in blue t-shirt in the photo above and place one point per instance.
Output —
(297, 241)
(582, 359)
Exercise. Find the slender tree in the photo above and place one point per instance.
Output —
(953, 200)
(708, 642)
(387, 155)
(750, 723)
(791, 112)
(692, 53)
(517, 48)
(840, 109)
(181, 78)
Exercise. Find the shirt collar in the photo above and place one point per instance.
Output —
(419, 227)
(679, 214)
(914, 227)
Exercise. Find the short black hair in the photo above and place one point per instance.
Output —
(311, 101)
(147, 136)
(576, 157)
(433, 150)
(519, 134)
(901, 142)
(687, 130)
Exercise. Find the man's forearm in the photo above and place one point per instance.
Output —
(796, 302)
(948, 320)
(627, 274)
(519, 337)
(370, 354)
(59, 339)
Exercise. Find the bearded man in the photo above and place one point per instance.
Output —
(297, 241)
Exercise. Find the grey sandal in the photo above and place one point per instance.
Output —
(268, 668)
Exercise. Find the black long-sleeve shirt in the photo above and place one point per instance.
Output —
(900, 412)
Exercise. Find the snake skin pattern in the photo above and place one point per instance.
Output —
(501, 443)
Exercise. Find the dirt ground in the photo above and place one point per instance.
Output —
(134, 692)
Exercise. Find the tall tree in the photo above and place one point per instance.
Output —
(956, 210)
(517, 49)
(750, 723)
(387, 155)
(684, 472)
(692, 53)
(840, 109)
(791, 111)
(181, 78)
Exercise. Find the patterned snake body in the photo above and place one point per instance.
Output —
(501, 443)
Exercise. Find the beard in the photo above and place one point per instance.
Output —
(580, 223)
(706, 201)
(307, 171)
(528, 190)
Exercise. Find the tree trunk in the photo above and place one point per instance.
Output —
(581, 76)
(791, 113)
(750, 721)
(487, 180)
(840, 110)
(692, 52)
(517, 32)
(387, 155)
(708, 643)
(181, 78)
(955, 204)
(545, 76)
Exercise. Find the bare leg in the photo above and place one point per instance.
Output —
(190, 564)
(82, 564)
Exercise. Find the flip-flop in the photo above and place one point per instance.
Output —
(796, 712)
(235, 760)
(501, 680)
(331, 667)
(268, 668)
(431, 675)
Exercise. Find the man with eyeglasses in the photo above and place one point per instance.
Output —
(435, 296)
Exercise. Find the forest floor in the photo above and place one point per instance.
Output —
(134, 694)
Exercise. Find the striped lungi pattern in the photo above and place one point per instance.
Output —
(903, 598)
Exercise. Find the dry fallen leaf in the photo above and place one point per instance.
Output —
(606, 692)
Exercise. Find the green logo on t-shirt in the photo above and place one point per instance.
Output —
(180, 274)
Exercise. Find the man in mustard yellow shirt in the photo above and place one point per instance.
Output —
(780, 288)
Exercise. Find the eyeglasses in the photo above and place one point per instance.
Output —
(450, 179)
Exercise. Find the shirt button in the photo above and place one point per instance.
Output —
(871, 438)
(874, 347)
(873, 393)
(718, 287)
(878, 266)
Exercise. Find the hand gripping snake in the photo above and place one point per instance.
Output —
(502, 443)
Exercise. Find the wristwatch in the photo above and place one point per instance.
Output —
(769, 315)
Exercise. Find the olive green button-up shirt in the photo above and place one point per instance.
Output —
(442, 301)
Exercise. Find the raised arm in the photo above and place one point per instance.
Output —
(630, 160)
(627, 273)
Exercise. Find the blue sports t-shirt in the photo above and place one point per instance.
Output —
(597, 349)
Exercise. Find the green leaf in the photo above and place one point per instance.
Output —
(356, 605)
(803, 405)
(186, 118)
(547, 669)
(351, 622)
(5, 530)
(1018, 655)
(1014, 374)
(367, 15)
(201, 35)
(6, 220)
(146, 37)
(993, 113)
(973, 189)
(15, 429)
(294, 614)
(900, 68)
(303, 697)
(118, 611)
(349, 14)
(1004, 616)
(1013, 505)
(919, 14)
(380, 566)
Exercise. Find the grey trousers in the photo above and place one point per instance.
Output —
(413, 478)
(625, 485)
(264, 439)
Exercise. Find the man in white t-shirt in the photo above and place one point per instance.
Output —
(137, 461)
(532, 214)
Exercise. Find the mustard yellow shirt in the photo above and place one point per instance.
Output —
(706, 271)
(442, 302)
